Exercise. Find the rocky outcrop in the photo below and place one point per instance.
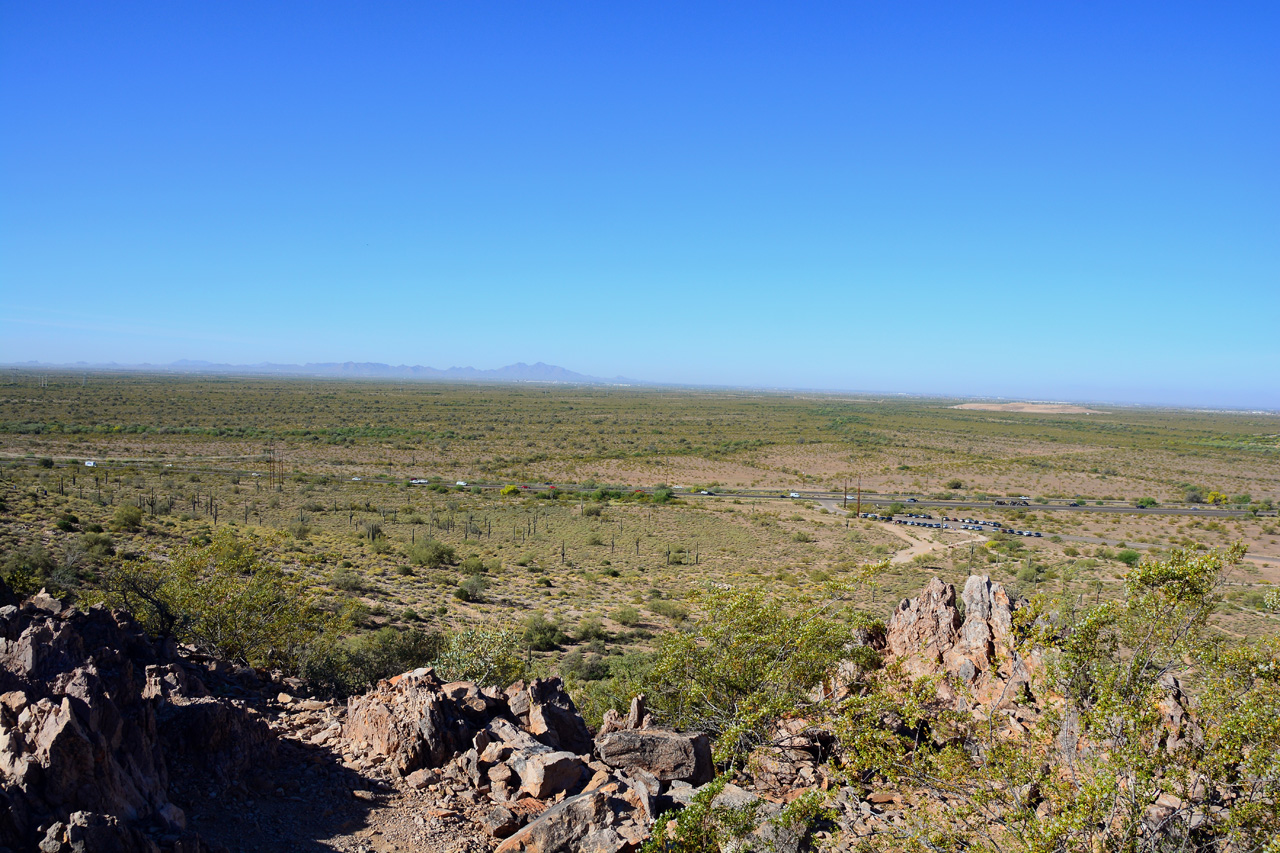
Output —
(94, 717)
(636, 718)
(536, 778)
(927, 635)
(415, 721)
(598, 821)
(923, 629)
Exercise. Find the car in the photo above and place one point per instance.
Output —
(794, 495)
(1074, 503)
(355, 479)
(417, 481)
(90, 464)
(461, 483)
(912, 501)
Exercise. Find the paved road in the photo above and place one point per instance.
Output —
(868, 500)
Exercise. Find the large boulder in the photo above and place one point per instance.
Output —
(414, 720)
(669, 756)
(543, 774)
(546, 711)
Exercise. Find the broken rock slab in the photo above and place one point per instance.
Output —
(667, 755)
(593, 822)
(544, 708)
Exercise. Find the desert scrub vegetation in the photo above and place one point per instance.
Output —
(751, 659)
(1086, 772)
(222, 600)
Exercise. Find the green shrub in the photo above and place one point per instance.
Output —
(591, 627)
(487, 657)
(223, 600)
(432, 553)
(627, 615)
(127, 518)
(543, 635)
(26, 571)
(669, 609)
(471, 589)
(1128, 556)
(347, 581)
(702, 827)
(354, 664)
(747, 663)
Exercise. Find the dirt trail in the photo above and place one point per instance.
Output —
(915, 546)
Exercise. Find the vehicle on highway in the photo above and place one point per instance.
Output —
(461, 483)
(418, 481)
(912, 501)
(794, 495)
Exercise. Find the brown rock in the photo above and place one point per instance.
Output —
(500, 822)
(665, 754)
(637, 718)
(420, 779)
(924, 627)
(583, 824)
(552, 717)
(417, 721)
(544, 774)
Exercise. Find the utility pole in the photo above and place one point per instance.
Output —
(859, 510)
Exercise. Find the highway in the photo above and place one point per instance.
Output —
(869, 500)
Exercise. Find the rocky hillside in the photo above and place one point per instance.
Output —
(112, 742)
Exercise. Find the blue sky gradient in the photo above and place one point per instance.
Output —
(1051, 200)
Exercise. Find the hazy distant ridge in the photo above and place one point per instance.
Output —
(518, 372)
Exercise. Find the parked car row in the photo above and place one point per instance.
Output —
(949, 523)
(910, 522)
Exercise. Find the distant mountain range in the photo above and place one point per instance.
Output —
(519, 372)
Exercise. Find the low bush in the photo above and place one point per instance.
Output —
(223, 600)
(543, 635)
(126, 518)
(432, 553)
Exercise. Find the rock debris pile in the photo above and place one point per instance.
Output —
(112, 742)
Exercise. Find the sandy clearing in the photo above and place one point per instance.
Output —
(1033, 408)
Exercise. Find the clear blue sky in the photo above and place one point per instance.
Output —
(1044, 200)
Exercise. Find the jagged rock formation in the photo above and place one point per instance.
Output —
(93, 717)
(929, 637)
